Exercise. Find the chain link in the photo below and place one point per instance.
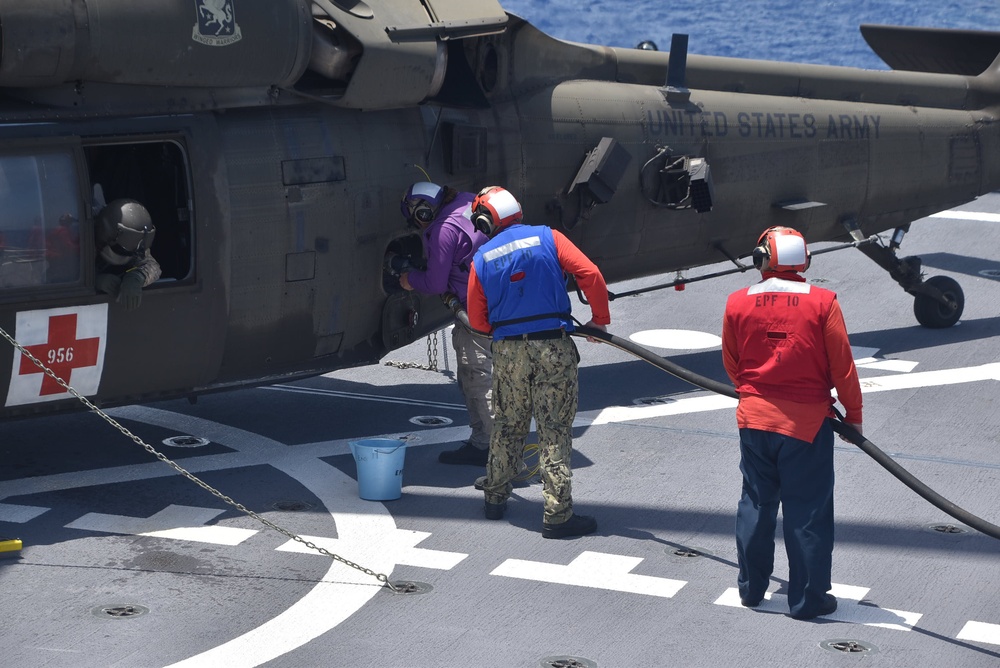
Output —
(384, 579)
(432, 357)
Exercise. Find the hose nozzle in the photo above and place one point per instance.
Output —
(451, 301)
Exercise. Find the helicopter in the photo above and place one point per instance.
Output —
(271, 142)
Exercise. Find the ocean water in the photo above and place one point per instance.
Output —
(822, 32)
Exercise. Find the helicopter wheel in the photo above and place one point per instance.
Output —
(933, 314)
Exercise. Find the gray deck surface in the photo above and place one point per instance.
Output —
(106, 526)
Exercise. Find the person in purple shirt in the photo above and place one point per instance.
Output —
(450, 241)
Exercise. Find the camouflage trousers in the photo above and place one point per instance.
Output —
(475, 380)
(534, 379)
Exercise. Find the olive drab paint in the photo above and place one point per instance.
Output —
(270, 141)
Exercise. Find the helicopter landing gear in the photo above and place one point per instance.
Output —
(939, 313)
(938, 302)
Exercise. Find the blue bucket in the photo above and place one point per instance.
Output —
(380, 467)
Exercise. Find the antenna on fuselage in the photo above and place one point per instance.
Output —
(677, 69)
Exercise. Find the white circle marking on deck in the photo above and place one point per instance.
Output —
(676, 339)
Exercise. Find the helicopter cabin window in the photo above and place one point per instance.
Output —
(40, 226)
(155, 174)
(40, 229)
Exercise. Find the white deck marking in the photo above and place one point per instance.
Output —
(11, 512)
(710, 402)
(980, 632)
(399, 543)
(364, 397)
(217, 535)
(968, 374)
(899, 366)
(968, 215)
(849, 608)
(593, 569)
(179, 522)
(676, 339)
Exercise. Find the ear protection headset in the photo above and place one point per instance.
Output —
(420, 203)
(781, 249)
(494, 209)
(482, 217)
(423, 212)
(482, 220)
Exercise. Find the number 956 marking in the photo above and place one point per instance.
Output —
(60, 355)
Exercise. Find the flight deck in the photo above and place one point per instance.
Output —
(124, 561)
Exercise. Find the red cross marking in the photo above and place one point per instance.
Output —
(62, 353)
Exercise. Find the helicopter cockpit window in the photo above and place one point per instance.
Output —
(40, 220)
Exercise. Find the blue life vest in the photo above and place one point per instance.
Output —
(523, 282)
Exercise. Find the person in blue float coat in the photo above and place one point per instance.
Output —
(517, 291)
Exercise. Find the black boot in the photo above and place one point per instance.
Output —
(467, 454)
(495, 511)
(577, 525)
(828, 606)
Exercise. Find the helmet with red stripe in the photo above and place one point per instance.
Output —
(493, 209)
(781, 249)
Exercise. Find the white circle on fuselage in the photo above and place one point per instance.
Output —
(676, 339)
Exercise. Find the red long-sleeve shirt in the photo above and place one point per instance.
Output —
(765, 411)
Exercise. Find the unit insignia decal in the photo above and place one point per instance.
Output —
(216, 24)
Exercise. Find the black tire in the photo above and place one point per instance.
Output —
(932, 313)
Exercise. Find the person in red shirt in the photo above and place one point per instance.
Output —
(785, 346)
(517, 292)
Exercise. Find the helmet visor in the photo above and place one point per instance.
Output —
(133, 242)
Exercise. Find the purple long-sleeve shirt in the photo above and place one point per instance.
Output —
(450, 241)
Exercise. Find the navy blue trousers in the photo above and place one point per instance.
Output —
(778, 469)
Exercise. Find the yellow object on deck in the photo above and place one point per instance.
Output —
(9, 547)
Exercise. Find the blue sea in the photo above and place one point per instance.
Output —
(822, 32)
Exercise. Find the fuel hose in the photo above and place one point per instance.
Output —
(725, 389)
(839, 426)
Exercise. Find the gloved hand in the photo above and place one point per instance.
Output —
(398, 264)
(857, 426)
(131, 290)
(387, 262)
(108, 284)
